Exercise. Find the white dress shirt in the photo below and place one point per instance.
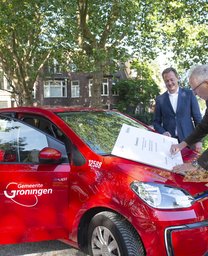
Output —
(174, 101)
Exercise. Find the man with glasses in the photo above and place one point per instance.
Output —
(177, 110)
(198, 80)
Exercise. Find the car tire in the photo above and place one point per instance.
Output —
(110, 234)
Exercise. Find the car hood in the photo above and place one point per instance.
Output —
(146, 173)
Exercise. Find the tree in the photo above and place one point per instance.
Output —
(27, 39)
(139, 92)
(185, 31)
(95, 36)
(102, 33)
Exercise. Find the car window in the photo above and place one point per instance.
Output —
(21, 143)
(99, 130)
(48, 127)
(40, 123)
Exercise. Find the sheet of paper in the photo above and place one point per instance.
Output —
(146, 147)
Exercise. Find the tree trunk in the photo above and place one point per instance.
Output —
(96, 100)
(23, 94)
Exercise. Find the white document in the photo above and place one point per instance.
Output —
(146, 147)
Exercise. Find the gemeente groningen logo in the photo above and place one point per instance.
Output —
(26, 194)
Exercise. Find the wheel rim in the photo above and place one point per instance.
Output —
(104, 243)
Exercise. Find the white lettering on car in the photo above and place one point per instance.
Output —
(14, 190)
(95, 164)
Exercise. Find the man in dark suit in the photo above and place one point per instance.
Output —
(198, 80)
(176, 111)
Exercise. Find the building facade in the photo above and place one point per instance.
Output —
(6, 100)
(74, 89)
(56, 88)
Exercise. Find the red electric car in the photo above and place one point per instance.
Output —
(59, 180)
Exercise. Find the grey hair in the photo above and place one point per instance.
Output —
(200, 72)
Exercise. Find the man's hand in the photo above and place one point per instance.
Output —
(175, 148)
(191, 173)
(198, 147)
(184, 168)
(167, 134)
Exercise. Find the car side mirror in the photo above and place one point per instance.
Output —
(49, 155)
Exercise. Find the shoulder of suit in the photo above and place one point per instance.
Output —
(186, 90)
(162, 95)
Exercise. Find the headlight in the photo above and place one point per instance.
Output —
(162, 196)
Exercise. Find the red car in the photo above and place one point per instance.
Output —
(59, 180)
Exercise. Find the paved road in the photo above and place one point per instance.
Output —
(48, 248)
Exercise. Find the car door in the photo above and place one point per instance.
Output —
(34, 173)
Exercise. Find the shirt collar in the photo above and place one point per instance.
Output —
(173, 94)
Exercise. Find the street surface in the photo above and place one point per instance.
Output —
(48, 248)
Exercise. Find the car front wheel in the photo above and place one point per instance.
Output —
(111, 235)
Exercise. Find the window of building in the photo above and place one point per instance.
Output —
(114, 90)
(55, 88)
(75, 89)
(4, 82)
(54, 67)
(4, 104)
(104, 87)
(1, 80)
(8, 84)
(57, 69)
(90, 87)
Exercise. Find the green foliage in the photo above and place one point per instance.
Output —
(144, 117)
(205, 144)
(140, 91)
(134, 92)
(99, 130)
(185, 31)
(96, 36)
(27, 38)
(103, 32)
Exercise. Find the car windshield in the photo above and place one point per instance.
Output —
(99, 130)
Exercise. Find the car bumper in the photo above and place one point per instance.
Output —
(190, 239)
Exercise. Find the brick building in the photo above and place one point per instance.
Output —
(74, 89)
(56, 88)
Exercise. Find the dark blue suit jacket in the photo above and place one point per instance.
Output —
(187, 114)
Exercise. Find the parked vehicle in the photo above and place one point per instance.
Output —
(59, 180)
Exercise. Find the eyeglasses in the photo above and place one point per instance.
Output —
(198, 86)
